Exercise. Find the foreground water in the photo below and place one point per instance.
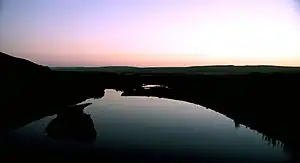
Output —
(146, 128)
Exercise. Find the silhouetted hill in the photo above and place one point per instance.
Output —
(30, 91)
(20, 75)
(12, 65)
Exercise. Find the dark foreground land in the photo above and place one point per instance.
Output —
(264, 100)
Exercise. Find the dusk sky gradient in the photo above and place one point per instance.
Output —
(152, 32)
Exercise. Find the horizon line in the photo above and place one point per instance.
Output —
(217, 65)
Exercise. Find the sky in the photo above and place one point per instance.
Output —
(152, 32)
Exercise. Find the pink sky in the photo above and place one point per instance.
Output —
(153, 32)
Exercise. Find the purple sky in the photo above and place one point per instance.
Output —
(152, 32)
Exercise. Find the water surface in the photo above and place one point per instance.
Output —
(149, 128)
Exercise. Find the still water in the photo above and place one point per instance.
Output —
(148, 128)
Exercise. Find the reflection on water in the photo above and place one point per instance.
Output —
(73, 124)
(153, 128)
(148, 86)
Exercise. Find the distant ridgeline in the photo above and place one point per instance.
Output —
(195, 70)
